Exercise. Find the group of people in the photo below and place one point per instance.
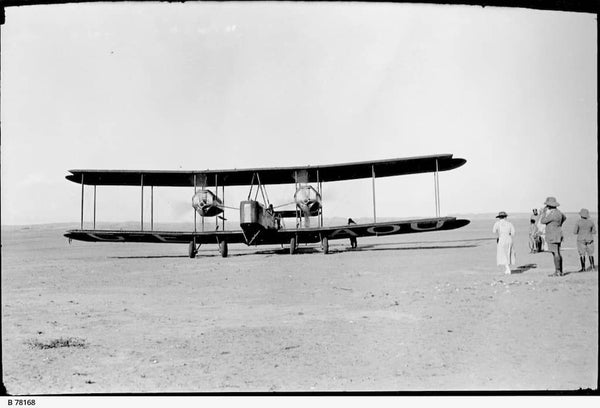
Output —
(545, 234)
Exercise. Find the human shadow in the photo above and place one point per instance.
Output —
(578, 271)
(523, 268)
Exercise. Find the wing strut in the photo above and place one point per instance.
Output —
(251, 186)
(257, 188)
(321, 209)
(319, 186)
(223, 196)
(296, 206)
(82, 200)
(94, 206)
(373, 178)
(436, 186)
(263, 191)
(216, 192)
(142, 201)
(151, 208)
(195, 220)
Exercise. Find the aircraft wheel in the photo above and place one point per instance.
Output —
(223, 249)
(192, 251)
(292, 246)
(325, 245)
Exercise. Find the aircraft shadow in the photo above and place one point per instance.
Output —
(316, 250)
(306, 250)
(282, 251)
(448, 240)
(147, 257)
(376, 248)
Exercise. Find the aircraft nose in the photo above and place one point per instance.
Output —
(198, 200)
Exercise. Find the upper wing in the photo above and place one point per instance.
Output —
(275, 175)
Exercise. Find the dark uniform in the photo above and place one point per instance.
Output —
(353, 242)
(554, 220)
(585, 229)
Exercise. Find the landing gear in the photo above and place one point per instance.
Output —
(192, 249)
(223, 248)
(292, 245)
(325, 245)
(353, 242)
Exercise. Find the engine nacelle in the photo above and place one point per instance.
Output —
(307, 199)
(206, 203)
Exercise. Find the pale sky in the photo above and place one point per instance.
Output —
(237, 85)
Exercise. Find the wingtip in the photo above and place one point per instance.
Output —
(463, 222)
(73, 177)
(459, 162)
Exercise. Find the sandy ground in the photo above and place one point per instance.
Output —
(421, 312)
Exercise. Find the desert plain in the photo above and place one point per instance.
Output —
(421, 312)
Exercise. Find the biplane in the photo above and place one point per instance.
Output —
(260, 222)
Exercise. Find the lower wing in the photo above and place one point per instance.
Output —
(316, 234)
(282, 236)
(157, 237)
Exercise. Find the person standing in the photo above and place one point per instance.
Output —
(542, 244)
(553, 219)
(353, 242)
(534, 219)
(533, 237)
(534, 216)
(585, 229)
(505, 254)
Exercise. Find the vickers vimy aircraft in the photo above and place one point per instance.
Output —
(260, 222)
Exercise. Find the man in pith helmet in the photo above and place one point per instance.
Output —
(553, 219)
(585, 229)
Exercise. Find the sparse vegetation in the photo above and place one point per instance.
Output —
(58, 343)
